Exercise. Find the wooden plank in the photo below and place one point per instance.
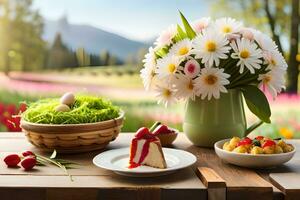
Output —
(239, 181)
(86, 167)
(184, 179)
(288, 183)
(210, 178)
(71, 194)
(216, 186)
(277, 193)
(22, 194)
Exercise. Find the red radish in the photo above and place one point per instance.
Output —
(12, 160)
(141, 132)
(28, 163)
(268, 143)
(244, 141)
(161, 129)
(28, 153)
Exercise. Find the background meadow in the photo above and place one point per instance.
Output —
(50, 47)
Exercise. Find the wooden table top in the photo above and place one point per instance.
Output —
(209, 178)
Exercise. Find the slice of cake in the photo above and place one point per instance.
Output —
(145, 149)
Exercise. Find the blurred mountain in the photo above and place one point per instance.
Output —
(92, 39)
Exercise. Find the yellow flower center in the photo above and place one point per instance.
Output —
(190, 85)
(227, 29)
(211, 79)
(167, 93)
(171, 68)
(244, 54)
(273, 62)
(267, 79)
(182, 51)
(211, 46)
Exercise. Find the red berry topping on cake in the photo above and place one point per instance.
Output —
(161, 129)
(144, 133)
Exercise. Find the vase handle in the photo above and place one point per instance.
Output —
(253, 127)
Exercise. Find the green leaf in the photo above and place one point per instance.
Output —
(188, 29)
(257, 102)
(53, 155)
(180, 34)
(162, 52)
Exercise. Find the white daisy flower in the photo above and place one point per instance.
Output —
(248, 54)
(210, 46)
(167, 67)
(148, 77)
(165, 94)
(273, 81)
(274, 60)
(265, 42)
(185, 87)
(211, 82)
(201, 24)
(228, 26)
(166, 36)
(191, 68)
(148, 72)
(182, 48)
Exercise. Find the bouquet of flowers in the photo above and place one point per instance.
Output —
(209, 57)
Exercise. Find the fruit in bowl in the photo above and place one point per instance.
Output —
(165, 134)
(72, 123)
(260, 152)
(259, 145)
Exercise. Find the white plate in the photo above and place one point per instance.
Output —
(117, 161)
(250, 160)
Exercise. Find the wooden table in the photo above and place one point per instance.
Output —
(210, 178)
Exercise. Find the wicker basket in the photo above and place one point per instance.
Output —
(73, 138)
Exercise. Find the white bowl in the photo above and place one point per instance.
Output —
(250, 160)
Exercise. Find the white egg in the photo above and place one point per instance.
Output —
(68, 99)
(62, 108)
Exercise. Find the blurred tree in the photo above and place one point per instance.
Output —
(83, 57)
(95, 60)
(272, 16)
(21, 31)
(105, 57)
(60, 56)
(113, 60)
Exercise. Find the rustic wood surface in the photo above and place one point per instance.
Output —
(94, 183)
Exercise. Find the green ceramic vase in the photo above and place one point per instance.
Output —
(208, 121)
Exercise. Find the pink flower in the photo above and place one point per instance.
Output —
(191, 68)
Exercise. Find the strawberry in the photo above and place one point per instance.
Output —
(28, 163)
(12, 160)
(28, 153)
(268, 143)
(161, 129)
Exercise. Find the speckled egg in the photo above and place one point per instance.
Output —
(68, 99)
(62, 108)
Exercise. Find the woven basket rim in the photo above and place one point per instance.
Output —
(24, 122)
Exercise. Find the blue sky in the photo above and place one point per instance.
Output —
(135, 19)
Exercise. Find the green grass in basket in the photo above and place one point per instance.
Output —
(86, 109)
